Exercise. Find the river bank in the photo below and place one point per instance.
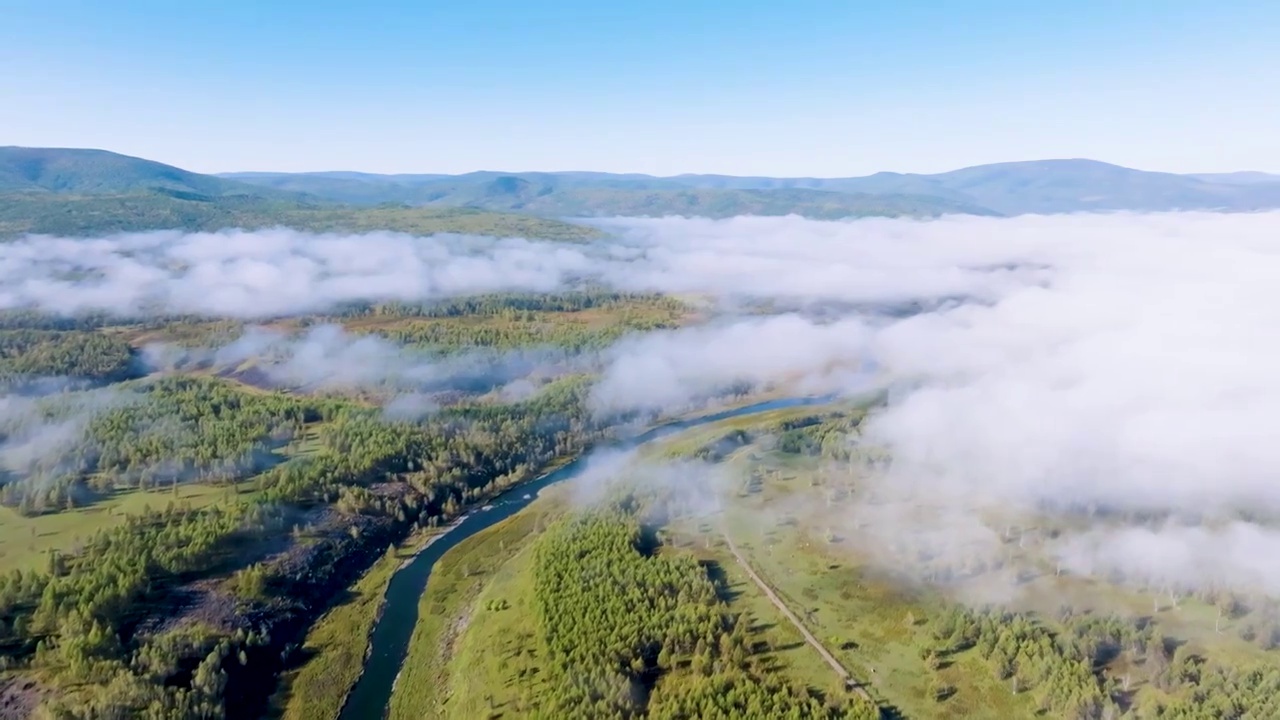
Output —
(389, 643)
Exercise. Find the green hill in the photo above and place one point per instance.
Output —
(77, 171)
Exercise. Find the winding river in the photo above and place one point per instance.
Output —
(389, 642)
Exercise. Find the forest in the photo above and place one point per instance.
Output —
(631, 631)
(74, 355)
(173, 536)
(110, 588)
(315, 489)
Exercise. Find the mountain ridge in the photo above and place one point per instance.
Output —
(1010, 188)
(93, 171)
(87, 173)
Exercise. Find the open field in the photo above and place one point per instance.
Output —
(864, 621)
(25, 542)
(450, 604)
(688, 442)
(498, 648)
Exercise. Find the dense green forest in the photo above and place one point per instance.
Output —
(162, 432)
(85, 355)
(631, 631)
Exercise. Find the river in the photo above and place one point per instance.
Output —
(389, 643)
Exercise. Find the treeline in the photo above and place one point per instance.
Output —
(515, 305)
(72, 354)
(74, 618)
(522, 320)
(24, 319)
(521, 332)
(451, 459)
(826, 434)
(1061, 667)
(30, 319)
(153, 434)
(505, 305)
(630, 632)
(97, 215)
(1212, 692)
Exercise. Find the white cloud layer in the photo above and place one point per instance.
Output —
(1124, 361)
(327, 357)
(267, 272)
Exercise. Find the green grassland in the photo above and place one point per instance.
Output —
(25, 542)
(865, 621)
(498, 649)
(449, 609)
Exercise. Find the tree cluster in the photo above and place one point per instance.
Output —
(70, 354)
(514, 305)
(167, 432)
(630, 632)
(1060, 668)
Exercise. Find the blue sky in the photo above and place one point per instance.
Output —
(803, 87)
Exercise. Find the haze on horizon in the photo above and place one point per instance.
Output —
(811, 89)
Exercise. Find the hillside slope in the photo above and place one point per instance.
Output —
(81, 171)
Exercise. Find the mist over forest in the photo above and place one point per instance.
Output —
(1078, 397)
(1116, 362)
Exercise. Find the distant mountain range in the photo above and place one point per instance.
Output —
(59, 189)
(1038, 186)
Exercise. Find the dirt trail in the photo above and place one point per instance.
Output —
(786, 612)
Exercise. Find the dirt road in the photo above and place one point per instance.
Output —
(786, 612)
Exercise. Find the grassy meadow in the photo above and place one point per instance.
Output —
(451, 608)
(25, 542)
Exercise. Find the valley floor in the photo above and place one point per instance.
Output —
(820, 615)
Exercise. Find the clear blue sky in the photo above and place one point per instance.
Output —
(776, 87)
